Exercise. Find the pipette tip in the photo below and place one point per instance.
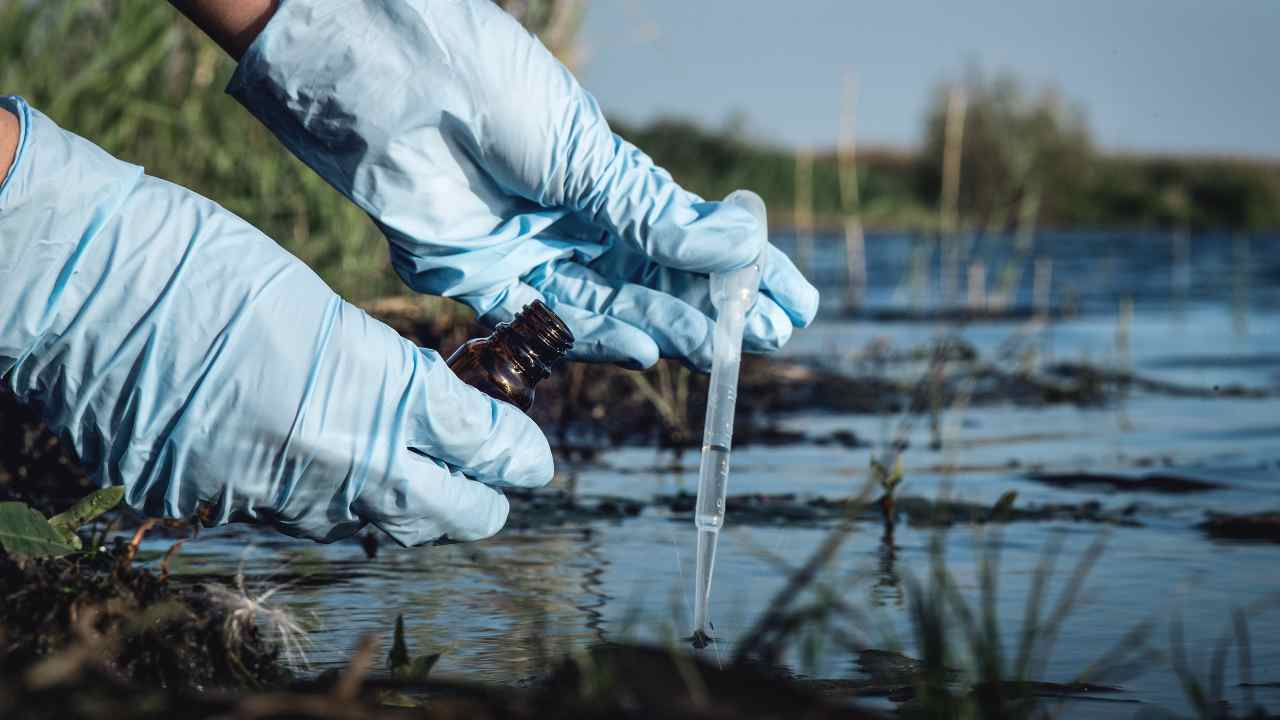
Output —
(700, 639)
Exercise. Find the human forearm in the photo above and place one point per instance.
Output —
(8, 141)
(233, 24)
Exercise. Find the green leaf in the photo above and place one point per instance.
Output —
(1004, 506)
(402, 666)
(398, 659)
(24, 531)
(888, 478)
(89, 508)
(420, 668)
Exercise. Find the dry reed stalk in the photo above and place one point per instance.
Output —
(1041, 288)
(854, 243)
(948, 209)
(976, 295)
(804, 210)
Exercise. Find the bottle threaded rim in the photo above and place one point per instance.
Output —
(543, 338)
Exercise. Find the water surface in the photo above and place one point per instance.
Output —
(498, 608)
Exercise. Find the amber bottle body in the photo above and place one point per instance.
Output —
(509, 363)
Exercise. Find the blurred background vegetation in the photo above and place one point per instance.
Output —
(136, 78)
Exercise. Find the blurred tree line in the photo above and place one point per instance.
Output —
(1015, 146)
(136, 78)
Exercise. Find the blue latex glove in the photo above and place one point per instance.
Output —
(497, 180)
(192, 360)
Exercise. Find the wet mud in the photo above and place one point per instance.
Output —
(1162, 483)
(791, 509)
(99, 610)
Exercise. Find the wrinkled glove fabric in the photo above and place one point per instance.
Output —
(497, 180)
(192, 360)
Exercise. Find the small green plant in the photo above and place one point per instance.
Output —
(24, 531)
(1003, 507)
(993, 683)
(888, 478)
(405, 668)
(401, 664)
(1208, 697)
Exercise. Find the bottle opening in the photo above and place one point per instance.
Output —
(538, 338)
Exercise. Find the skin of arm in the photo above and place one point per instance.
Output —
(233, 24)
(8, 141)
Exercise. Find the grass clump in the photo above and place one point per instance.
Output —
(91, 610)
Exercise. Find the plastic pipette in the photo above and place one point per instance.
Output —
(732, 293)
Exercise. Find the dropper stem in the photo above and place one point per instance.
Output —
(732, 293)
(707, 541)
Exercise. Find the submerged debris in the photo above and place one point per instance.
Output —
(897, 677)
(1257, 526)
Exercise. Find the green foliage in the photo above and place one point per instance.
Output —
(713, 163)
(1183, 192)
(886, 477)
(399, 662)
(993, 683)
(1014, 143)
(1003, 506)
(136, 78)
(1019, 148)
(24, 531)
(86, 510)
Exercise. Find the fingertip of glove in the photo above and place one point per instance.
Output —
(807, 309)
(737, 230)
(497, 519)
(769, 327)
(783, 282)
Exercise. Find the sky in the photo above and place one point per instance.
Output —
(1199, 76)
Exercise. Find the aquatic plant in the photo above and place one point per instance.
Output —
(888, 477)
(1207, 696)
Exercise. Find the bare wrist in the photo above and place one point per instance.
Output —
(9, 134)
(233, 24)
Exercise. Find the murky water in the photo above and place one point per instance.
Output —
(498, 608)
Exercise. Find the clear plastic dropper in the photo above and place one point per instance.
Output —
(732, 293)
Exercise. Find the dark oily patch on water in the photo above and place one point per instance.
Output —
(792, 509)
(543, 508)
(1264, 526)
(1153, 482)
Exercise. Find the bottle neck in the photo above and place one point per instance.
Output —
(536, 339)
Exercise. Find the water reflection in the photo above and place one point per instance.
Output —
(501, 608)
(887, 590)
(592, 585)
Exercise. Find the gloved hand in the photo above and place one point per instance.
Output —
(193, 361)
(497, 180)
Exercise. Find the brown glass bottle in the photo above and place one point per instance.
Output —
(507, 364)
